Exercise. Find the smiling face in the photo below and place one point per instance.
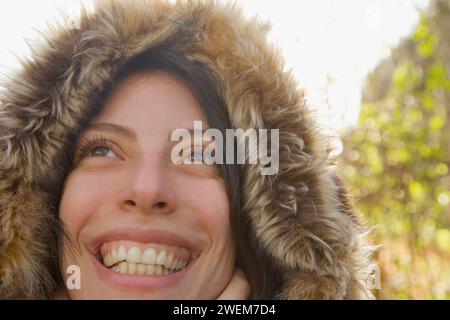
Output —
(146, 227)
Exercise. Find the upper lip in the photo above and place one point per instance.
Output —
(144, 235)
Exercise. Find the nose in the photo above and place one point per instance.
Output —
(147, 189)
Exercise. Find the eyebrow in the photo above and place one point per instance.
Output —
(118, 129)
(123, 131)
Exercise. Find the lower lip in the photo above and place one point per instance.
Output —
(138, 281)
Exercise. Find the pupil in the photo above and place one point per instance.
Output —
(100, 151)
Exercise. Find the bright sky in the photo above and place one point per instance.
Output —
(331, 45)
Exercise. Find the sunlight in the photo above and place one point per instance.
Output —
(331, 46)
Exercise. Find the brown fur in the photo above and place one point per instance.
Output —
(301, 218)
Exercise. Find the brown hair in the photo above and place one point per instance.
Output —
(204, 85)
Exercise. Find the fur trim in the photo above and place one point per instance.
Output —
(300, 218)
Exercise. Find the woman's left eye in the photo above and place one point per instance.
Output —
(195, 155)
(102, 151)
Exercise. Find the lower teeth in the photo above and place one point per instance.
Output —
(141, 269)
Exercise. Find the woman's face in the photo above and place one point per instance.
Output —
(146, 228)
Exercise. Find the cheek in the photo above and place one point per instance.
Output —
(210, 203)
(81, 196)
(209, 200)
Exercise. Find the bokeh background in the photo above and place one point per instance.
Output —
(377, 73)
(397, 160)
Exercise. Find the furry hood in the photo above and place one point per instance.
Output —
(301, 219)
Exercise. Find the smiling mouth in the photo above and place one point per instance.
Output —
(145, 259)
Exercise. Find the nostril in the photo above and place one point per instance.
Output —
(131, 203)
(161, 205)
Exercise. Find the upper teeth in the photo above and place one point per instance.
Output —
(149, 262)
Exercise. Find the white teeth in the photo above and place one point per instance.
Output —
(181, 264)
(134, 255)
(158, 270)
(141, 268)
(174, 264)
(148, 262)
(161, 258)
(150, 270)
(123, 267)
(114, 256)
(110, 259)
(149, 256)
(107, 260)
(122, 254)
(168, 262)
(131, 268)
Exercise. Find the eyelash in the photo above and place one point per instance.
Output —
(192, 149)
(86, 145)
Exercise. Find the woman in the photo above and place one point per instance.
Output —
(88, 178)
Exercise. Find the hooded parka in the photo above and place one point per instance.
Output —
(301, 219)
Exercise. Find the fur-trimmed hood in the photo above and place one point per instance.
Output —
(301, 219)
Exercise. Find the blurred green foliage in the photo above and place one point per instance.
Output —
(397, 161)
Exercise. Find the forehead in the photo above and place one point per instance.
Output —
(155, 100)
